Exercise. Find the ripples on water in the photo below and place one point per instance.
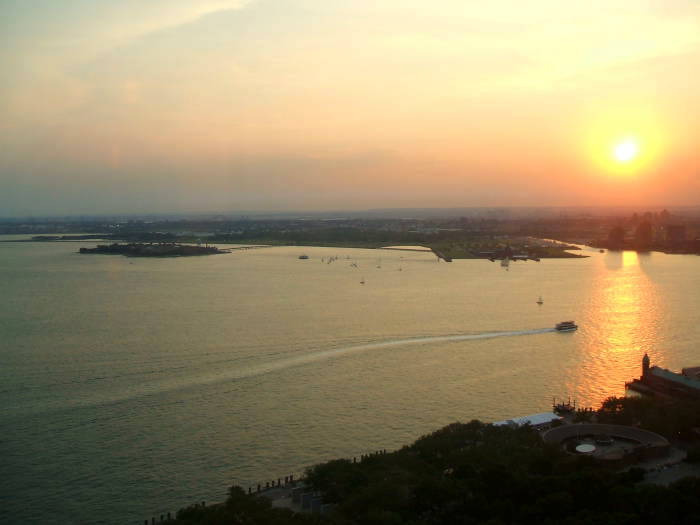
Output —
(133, 387)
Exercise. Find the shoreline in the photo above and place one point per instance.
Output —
(437, 249)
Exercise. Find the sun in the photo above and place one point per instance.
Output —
(626, 151)
(622, 139)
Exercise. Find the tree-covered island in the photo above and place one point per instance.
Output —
(165, 249)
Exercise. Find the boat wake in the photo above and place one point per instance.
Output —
(225, 374)
(342, 351)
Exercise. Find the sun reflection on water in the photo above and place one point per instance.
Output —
(622, 318)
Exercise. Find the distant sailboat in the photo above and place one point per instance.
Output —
(540, 301)
(362, 281)
(505, 262)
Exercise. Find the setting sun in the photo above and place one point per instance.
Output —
(626, 150)
(624, 140)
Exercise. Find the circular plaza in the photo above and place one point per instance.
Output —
(609, 443)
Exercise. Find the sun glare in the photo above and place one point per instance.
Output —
(626, 150)
(624, 141)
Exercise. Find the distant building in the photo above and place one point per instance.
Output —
(675, 233)
(642, 235)
(656, 380)
(616, 237)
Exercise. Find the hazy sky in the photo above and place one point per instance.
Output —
(112, 106)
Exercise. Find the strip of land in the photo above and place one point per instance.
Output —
(152, 250)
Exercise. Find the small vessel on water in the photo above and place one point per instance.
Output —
(540, 301)
(566, 326)
(362, 281)
(563, 408)
(303, 257)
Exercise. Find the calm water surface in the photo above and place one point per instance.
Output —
(132, 387)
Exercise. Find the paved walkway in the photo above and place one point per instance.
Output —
(281, 497)
(667, 474)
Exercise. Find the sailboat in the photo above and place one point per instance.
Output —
(362, 281)
(505, 262)
(540, 301)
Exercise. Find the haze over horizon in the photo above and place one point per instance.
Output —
(177, 106)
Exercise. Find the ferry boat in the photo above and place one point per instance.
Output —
(566, 326)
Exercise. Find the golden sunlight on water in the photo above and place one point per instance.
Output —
(270, 363)
(622, 318)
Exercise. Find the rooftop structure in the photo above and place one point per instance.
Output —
(692, 372)
(657, 380)
(539, 420)
(680, 380)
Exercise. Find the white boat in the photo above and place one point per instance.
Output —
(566, 326)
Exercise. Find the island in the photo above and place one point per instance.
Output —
(153, 250)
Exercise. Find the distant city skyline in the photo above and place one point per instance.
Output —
(125, 107)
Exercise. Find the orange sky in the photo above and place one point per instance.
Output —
(117, 106)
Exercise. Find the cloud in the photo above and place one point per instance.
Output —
(47, 23)
(182, 99)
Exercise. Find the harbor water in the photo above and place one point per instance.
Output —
(131, 387)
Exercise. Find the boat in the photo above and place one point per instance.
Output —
(362, 281)
(566, 326)
(563, 408)
(303, 257)
(540, 301)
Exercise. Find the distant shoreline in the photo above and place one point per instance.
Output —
(445, 250)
